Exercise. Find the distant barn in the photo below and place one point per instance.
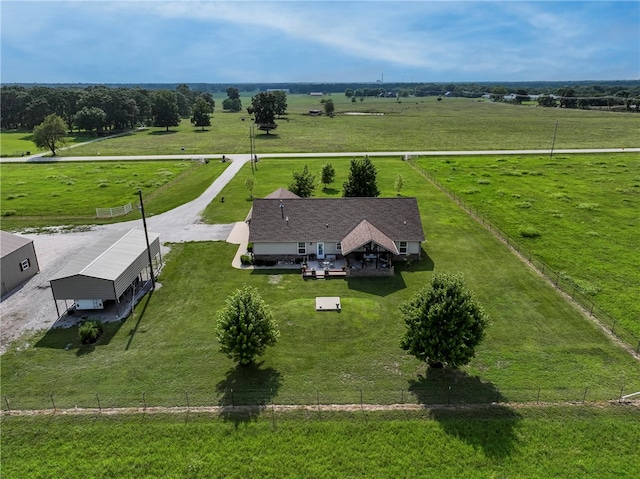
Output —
(19, 261)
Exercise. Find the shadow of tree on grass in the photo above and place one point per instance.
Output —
(468, 409)
(246, 391)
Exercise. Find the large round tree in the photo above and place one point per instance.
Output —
(444, 322)
(246, 326)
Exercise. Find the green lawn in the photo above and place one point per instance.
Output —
(537, 348)
(414, 124)
(578, 214)
(575, 442)
(62, 193)
(20, 143)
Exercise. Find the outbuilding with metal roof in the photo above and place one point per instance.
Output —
(18, 263)
(106, 270)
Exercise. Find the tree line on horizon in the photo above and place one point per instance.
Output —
(102, 107)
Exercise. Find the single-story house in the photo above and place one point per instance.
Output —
(356, 229)
(19, 261)
(106, 270)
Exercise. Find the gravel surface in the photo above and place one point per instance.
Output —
(32, 308)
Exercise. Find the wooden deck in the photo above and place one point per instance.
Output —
(324, 274)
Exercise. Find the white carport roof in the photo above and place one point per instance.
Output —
(110, 257)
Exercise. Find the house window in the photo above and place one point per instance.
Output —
(403, 247)
(302, 249)
(24, 264)
(338, 246)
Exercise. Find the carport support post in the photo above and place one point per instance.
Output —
(56, 302)
(146, 235)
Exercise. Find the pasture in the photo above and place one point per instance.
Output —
(20, 143)
(414, 124)
(538, 346)
(576, 442)
(578, 214)
(46, 194)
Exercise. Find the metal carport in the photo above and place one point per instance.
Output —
(107, 269)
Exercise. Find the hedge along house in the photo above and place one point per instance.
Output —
(370, 233)
(117, 264)
(18, 263)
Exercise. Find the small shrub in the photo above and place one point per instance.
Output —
(90, 331)
(523, 204)
(560, 196)
(103, 185)
(12, 197)
(515, 195)
(587, 206)
(54, 194)
(471, 191)
(528, 232)
(246, 260)
(484, 182)
(9, 213)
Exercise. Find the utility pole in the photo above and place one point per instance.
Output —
(146, 235)
(251, 147)
(553, 143)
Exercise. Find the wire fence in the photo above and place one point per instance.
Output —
(557, 278)
(440, 395)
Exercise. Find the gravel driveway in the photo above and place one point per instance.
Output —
(32, 307)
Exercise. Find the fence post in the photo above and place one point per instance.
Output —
(449, 396)
(99, 407)
(497, 395)
(621, 390)
(318, 399)
(584, 397)
(232, 398)
(7, 403)
(144, 402)
(613, 329)
(361, 405)
(637, 349)
(186, 393)
(538, 399)
(591, 310)
(52, 401)
(401, 392)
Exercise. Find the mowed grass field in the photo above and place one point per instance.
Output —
(46, 194)
(538, 346)
(20, 143)
(575, 442)
(578, 214)
(414, 124)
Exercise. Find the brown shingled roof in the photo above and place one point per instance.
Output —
(332, 219)
(282, 193)
(364, 233)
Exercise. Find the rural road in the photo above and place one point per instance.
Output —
(32, 308)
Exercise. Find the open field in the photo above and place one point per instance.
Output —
(576, 442)
(578, 214)
(538, 346)
(19, 143)
(415, 124)
(46, 194)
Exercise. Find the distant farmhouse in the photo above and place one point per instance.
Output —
(365, 232)
(19, 261)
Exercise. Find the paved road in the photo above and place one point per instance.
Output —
(40, 159)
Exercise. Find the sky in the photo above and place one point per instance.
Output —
(241, 41)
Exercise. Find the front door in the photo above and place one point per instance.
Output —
(320, 250)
